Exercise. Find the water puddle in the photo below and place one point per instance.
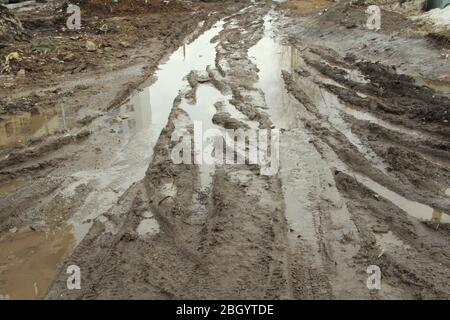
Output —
(331, 107)
(25, 126)
(29, 261)
(415, 209)
(271, 58)
(141, 119)
(209, 102)
(364, 116)
(159, 97)
(302, 178)
(202, 113)
(108, 185)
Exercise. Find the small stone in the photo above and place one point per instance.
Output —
(21, 73)
(90, 46)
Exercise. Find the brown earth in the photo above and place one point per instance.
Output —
(87, 170)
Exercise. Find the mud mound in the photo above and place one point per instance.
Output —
(10, 26)
(353, 15)
(440, 38)
(127, 7)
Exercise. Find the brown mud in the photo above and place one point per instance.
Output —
(88, 178)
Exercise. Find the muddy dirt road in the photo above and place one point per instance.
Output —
(359, 160)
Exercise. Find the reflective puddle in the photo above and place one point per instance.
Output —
(271, 58)
(29, 261)
(21, 128)
(141, 119)
(202, 113)
(415, 209)
(156, 101)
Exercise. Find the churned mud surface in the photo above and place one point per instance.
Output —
(360, 137)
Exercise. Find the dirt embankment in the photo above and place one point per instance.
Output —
(397, 17)
(111, 36)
